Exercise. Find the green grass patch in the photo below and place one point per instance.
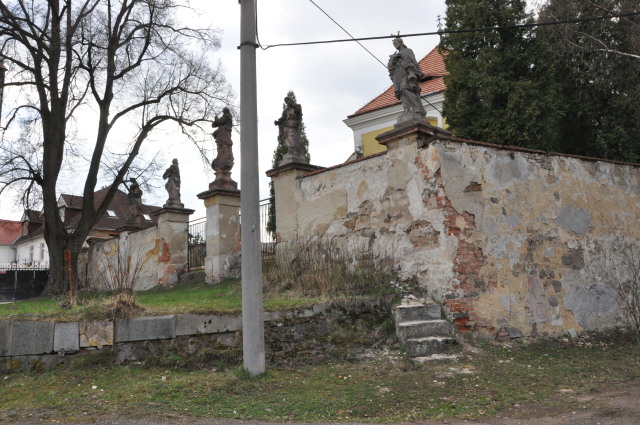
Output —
(225, 297)
(384, 389)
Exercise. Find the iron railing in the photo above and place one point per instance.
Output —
(198, 235)
(197, 247)
(267, 239)
(19, 283)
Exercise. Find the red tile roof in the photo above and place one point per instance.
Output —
(9, 231)
(432, 67)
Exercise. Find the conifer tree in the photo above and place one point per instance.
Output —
(495, 91)
(596, 64)
(278, 153)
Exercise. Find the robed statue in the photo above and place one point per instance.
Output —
(290, 127)
(172, 175)
(223, 163)
(405, 74)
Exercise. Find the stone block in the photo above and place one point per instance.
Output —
(65, 338)
(31, 338)
(192, 324)
(145, 328)
(5, 337)
(96, 334)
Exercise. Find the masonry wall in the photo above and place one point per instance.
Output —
(128, 261)
(501, 237)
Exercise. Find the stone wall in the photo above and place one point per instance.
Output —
(501, 237)
(141, 259)
(128, 261)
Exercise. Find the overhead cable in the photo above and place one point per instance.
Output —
(460, 31)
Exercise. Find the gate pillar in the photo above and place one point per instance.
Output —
(222, 234)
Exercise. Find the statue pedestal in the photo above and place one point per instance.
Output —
(285, 187)
(222, 234)
(173, 231)
(417, 131)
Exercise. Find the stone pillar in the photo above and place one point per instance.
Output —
(173, 231)
(285, 186)
(222, 234)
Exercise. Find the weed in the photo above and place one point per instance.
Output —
(326, 270)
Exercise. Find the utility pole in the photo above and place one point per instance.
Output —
(252, 304)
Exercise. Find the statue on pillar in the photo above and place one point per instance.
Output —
(289, 124)
(223, 163)
(172, 174)
(405, 74)
(135, 201)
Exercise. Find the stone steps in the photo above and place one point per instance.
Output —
(422, 332)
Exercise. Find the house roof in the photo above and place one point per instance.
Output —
(432, 66)
(119, 206)
(32, 216)
(9, 231)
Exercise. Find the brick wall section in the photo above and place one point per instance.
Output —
(459, 297)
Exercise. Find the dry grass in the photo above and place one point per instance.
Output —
(322, 270)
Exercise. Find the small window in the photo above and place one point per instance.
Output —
(111, 213)
(31, 249)
(41, 250)
(146, 217)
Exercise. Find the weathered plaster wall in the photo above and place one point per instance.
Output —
(503, 238)
(129, 261)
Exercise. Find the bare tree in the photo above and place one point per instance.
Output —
(126, 60)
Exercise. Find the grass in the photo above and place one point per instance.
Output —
(224, 297)
(384, 389)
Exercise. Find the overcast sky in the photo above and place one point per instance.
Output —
(331, 81)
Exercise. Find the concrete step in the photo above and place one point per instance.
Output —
(423, 328)
(422, 347)
(413, 312)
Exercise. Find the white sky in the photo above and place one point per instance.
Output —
(331, 81)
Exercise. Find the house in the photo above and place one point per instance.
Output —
(381, 113)
(30, 247)
(9, 232)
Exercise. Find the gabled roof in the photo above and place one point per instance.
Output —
(432, 67)
(9, 231)
(32, 216)
(73, 209)
(119, 205)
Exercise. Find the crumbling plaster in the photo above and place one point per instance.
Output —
(502, 237)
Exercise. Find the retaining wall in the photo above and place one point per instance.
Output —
(291, 337)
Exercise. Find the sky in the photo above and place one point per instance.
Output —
(331, 81)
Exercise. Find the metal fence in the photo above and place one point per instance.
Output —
(19, 283)
(198, 236)
(197, 247)
(268, 240)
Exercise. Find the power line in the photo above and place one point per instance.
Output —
(441, 32)
(342, 28)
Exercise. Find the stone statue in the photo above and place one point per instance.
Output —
(289, 124)
(223, 163)
(405, 73)
(172, 174)
(135, 201)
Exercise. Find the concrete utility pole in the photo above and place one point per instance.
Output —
(252, 307)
